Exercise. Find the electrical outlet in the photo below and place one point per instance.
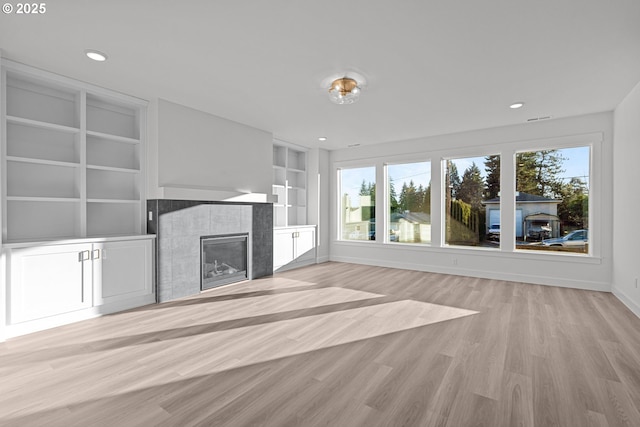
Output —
(636, 283)
(150, 215)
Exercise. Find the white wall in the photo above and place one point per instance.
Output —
(626, 201)
(202, 156)
(318, 198)
(593, 272)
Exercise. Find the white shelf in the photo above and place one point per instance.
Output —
(108, 118)
(42, 162)
(30, 179)
(112, 169)
(108, 218)
(113, 153)
(73, 158)
(115, 138)
(289, 185)
(42, 125)
(42, 143)
(112, 185)
(42, 199)
(41, 102)
(121, 201)
(42, 218)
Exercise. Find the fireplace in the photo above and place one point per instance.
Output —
(223, 259)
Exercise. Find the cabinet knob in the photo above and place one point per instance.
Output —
(95, 254)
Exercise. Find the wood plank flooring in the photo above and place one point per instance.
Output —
(337, 345)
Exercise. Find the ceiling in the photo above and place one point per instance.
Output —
(431, 67)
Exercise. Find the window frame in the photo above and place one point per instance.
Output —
(594, 227)
(507, 150)
(387, 194)
(340, 207)
(443, 167)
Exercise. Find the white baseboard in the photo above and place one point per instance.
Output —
(624, 298)
(323, 259)
(460, 271)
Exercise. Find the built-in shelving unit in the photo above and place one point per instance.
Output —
(289, 185)
(72, 157)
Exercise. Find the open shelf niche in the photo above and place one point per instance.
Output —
(72, 158)
(289, 185)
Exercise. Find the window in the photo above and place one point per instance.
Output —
(358, 203)
(471, 201)
(409, 210)
(552, 200)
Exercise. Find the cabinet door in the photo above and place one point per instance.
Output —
(305, 244)
(283, 248)
(122, 270)
(49, 280)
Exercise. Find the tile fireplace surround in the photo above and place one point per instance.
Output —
(178, 226)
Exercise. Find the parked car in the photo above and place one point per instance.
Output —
(493, 233)
(538, 233)
(577, 238)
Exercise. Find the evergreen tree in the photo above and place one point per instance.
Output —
(409, 197)
(574, 208)
(368, 189)
(363, 188)
(393, 197)
(453, 179)
(420, 198)
(426, 200)
(472, 187)
(371, 191)
(492, 184)
(537, 172)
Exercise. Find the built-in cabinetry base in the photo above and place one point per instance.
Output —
(72, 173)
(54, 283)
(294, 247)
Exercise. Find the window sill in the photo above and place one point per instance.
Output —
(517, 254)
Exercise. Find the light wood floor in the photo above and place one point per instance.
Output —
(337, 345)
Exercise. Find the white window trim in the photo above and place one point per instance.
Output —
(507, 150)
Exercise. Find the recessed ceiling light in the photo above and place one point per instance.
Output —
(96, 55)
(322, 138)
(516, 105)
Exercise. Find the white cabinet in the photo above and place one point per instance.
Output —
(294, 247)
(72, 158)
(121, 270)
(49, 280)
(50, 285)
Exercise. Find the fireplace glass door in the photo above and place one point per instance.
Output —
(224, 260)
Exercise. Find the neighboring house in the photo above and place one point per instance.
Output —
(410, 227)
(357, 220)
(534, 214)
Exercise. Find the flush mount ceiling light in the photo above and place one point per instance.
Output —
(516, 105)
(96, 55)
(322, 138)
(344, 91)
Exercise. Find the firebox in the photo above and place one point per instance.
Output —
(223, 259)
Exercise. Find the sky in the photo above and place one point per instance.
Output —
(575, 165)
